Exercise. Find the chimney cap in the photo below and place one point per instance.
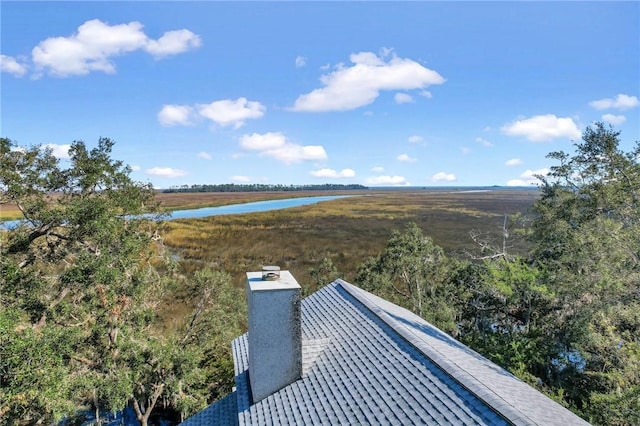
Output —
(285, 281)
(270, 273)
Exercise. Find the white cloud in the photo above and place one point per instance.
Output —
(619, 102)
(415, 139)
(275, 145)
(330, 173)
(464, 150)
(172, 115)
(59, 151)
(301, 61)
(484, 142)
(513, 162)
(387, 180)
(377, 169)
(352, 87)
(542, 128)
(262, 142)
(166, 172)
(614, 119)
(172, 43)
(96, 43)
(12, 66)
(426, 94)
(240, 178)
(403, 98)
(529, 174)
(443, 177)
(528, 177)
(228, 112)
(292, 153)
(204, 155)
(135, 168)
(405, 158)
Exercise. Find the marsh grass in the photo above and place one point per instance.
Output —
(346, 230)
(10, 212)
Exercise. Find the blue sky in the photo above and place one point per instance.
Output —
(375, 93)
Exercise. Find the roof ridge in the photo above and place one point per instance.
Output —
(458, 372)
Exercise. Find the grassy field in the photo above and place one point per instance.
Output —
(347, 230)
(9, 212)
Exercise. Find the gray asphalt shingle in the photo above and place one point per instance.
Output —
(368, 361)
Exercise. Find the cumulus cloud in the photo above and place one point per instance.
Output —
(226, 112)
(513, 162)
(351, 87)
(619, 102)
(301, 61)
(204, 155)
(387, 180)
(276, 145)
(172, 115)
(542, 128)
(240, 178)
(167, 172)
(263, 142)
(231, 113)
(529, 174)
(528, 177)
(614, 119)
(94, 45)
(10, 65)
(135, 168)
(443, 177)
(377, 169)
(406, 158)
(415, 139)
(172, 43)
(403, 98)
(330, 173)
(59, 151)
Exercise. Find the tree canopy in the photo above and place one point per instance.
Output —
(565, 316)
(82, 277)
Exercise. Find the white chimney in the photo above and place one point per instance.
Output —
(275, 342)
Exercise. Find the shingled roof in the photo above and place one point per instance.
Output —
(368, 361)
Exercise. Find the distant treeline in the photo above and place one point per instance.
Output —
(259, 187)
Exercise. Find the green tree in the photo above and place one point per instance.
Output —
(586, 240)
(81, 278)
(415, 273)
(502, 313)
(323, 274)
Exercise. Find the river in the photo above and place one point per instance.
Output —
(253, 207)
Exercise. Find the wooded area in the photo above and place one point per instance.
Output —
(84, 284)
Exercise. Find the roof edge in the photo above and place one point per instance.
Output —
(456, 372)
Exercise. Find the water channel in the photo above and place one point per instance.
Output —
(253, 207)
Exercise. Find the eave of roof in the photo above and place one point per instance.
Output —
(515, 400)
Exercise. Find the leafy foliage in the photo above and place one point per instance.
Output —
(414, 272)
(82, 279)
(566, 317)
